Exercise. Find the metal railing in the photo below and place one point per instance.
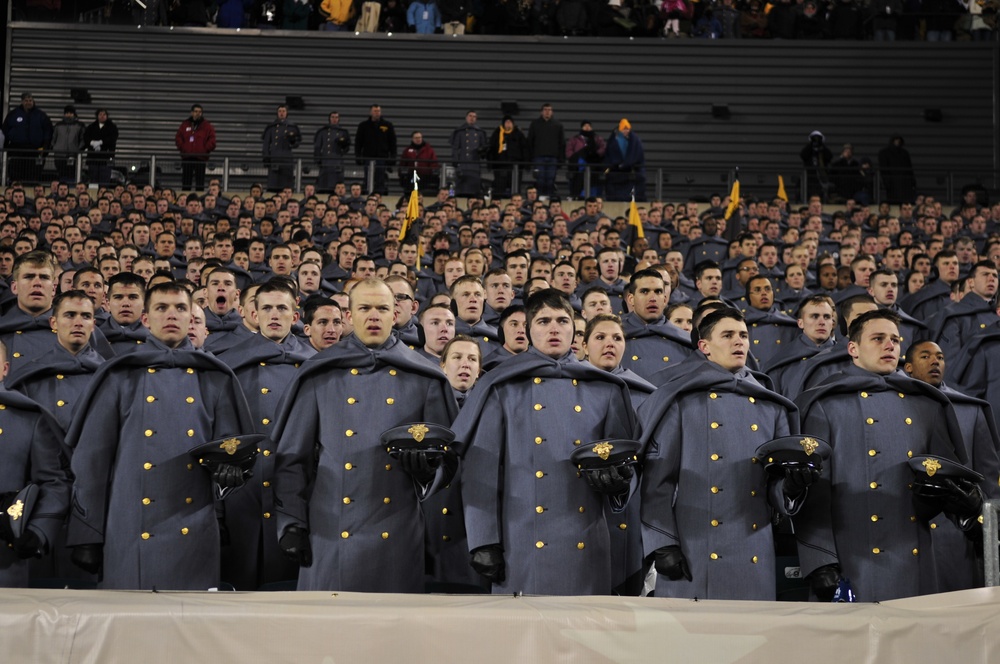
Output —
(674, 182)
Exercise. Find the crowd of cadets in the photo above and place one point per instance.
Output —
(139, 323)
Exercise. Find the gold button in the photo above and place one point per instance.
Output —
(264, 390)
(266, 452)
(151, 370)
(753, 527)
(388, 466)
(901, 395)
(392, 372)
(874, 518)
(715, 489)
(864, 395)
(189, 500)
(390, 401)
(538, 406)
(715, 457)
(714, 523)
(539, 544)
(933, 526)
(915, 551)
(184, 531)
(386, 500)
(385, 535)
(575, 383)
(909, 454)
(870, 421)
(348, 466)
(60, 403)
(666, 359)
(622, 526)
(347, 500)
(263, 364)
(714, 556)
(539, 474)
(349, 433)
(754, 560)
(635, 358)
(145, 536)
(150, 399)
(753, 427)
(344, 535)
(146, 501)
(354, 372)
(872, 452)
(17, 355)
(538, 440)
(351, 401)
(579, 545)
(908, 421)
(190, 432)
(714, 425)
(445, 538)
(753, 459)
(876, 551)
(752, 400)
(266, 484)
(539, 509)
(537, 381)
(149, 432)
(581, 509)
(190, 466)
(874, 485)
(577, 408)
(713, 395)
(577, 441)
(267, 515)
(752, 493)
(190, 400)
(59, 376)
(913, 518)
(444, 510)
(190, 371)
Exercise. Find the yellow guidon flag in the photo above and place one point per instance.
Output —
(734, 197)
(633, 218)
(412, 209)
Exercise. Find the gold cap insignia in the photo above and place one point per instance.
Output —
(603, 450)
(15, 511)
(931, 466)
(230, 445)
(809, 445)
(418, 431)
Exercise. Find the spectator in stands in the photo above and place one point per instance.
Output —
(885, 15)
(547, 147)
(28, 133)
(626, 164)
(468, 146)
(279, 139)
(508, 148)
(816, 158)
(418, 157)
(266, 14)
(375, 141)
(67, 144)
(195, 139)
(330, 144)
(232, 13)
(585, 150)
(296, 14)
(424, 17)
(896, 169)
(101, 139)
(753, 21)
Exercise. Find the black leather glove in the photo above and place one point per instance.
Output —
(671, 563)
(421, 465)
(964, 500)
(29, 545)
(295, 544)
(488, 561)
(823, 581)
(797, 480)
(229, 476)
(609, 481)
(88, 557)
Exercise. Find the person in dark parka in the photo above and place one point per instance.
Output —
(347, 511)
(279, 139)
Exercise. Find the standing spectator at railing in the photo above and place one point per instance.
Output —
(547, 146)
(195, 139)
(940, 17)
(885, 16)
(626, 161)
(753, 21)
(101, 140)
(897, 172)
(330, 144)
(418, 156)
(280, 138)
(232, 13)
(28, 132)
(67, 144)
(266, 14)
(296, 15)
(584, 150)
(468, 145)
(392, 18)
(423, 16)
(337, 13)
(508, 147)
(375, 140)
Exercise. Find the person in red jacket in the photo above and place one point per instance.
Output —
(195, 139)
(418, 156)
